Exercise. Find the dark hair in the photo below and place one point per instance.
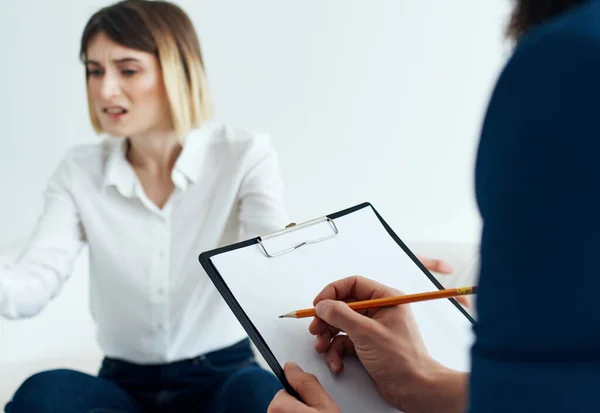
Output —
(528, 14)
(165, 30)
(123, 24)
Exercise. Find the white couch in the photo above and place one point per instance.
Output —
(62, 336)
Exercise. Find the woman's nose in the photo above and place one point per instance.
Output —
(110, 86)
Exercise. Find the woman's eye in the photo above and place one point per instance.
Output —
(129, 72)
(94, 72)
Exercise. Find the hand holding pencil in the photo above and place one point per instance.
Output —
(387, 343)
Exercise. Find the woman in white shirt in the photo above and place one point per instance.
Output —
(164, 187)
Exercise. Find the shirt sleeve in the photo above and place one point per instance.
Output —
(537, 341)
(37, 276)
(262, 207)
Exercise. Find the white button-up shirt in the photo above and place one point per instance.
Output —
(150, 297)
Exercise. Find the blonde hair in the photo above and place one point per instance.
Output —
(163, 29)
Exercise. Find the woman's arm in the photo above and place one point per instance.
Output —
(261, 192)
(46, 262)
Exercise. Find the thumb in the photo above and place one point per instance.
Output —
(338, 315)
(308, 387)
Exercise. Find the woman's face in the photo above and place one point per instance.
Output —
(126, 89)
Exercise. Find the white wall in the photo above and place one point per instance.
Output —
(376, 100)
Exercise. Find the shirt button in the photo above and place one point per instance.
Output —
(161, 291)
(161, 253)
(160, 326)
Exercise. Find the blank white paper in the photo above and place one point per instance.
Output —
(268, 287)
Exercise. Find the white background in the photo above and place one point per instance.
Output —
(378, 100)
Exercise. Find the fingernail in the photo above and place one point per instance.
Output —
(292, 365)
(333, 366)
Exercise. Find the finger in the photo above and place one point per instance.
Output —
(338, 315)
(324, 341)
(464, 301)
(354, 289)
(436, 265)
(324, 332)
(317, 326)
(285, 403)
(308, 387)
(340, 346)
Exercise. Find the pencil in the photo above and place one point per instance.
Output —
(391, 301)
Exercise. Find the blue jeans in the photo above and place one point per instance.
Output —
(224, 381)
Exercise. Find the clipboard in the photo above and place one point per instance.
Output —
(362, 236)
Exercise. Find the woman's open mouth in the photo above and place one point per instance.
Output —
(115, 112)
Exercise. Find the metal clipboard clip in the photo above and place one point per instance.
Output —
(293, 227)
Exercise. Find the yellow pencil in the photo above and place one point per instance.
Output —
(391, 301)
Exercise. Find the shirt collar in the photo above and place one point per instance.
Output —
(119, 173)
(187, 167)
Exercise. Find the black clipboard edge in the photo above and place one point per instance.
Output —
(239, 313)
(245, 321)
(421, 266)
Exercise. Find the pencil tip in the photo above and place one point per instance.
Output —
(288, 315)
